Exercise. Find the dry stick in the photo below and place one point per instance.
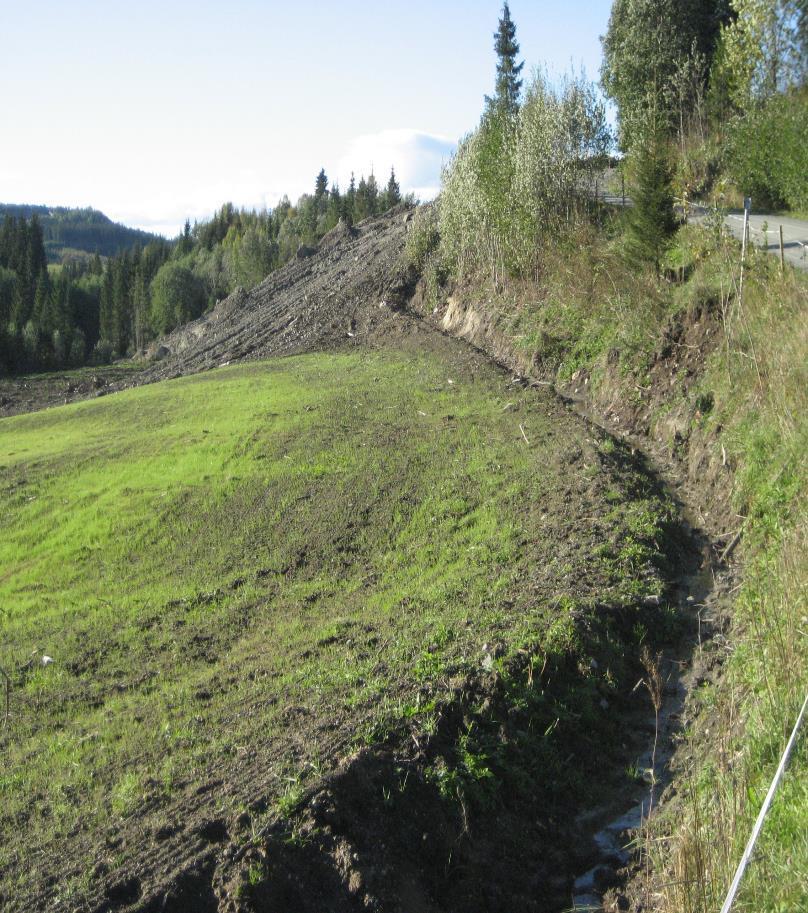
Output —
(747, 853)
(524, 435)
(732, 543)
(8, 694)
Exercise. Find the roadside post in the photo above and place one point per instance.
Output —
(747, 206)
(782, 254)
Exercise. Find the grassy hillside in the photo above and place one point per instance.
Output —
(244, 575)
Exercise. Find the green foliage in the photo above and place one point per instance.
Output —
(250, 256)
(116, 306)
(763, 51)
(767, 152)
(177, 296)
(517, 181)
(656, 60)
(756, 384)
(41, 310)
(652, 222)
(423, 237)
(508, 84)
(392, 191)
(85, 230)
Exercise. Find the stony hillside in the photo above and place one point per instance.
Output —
(348, 290)
(345, 290)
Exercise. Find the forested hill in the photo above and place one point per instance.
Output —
(70, 232)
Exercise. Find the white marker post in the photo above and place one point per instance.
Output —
(747, 206)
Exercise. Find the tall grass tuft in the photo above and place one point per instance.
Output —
(760, 381)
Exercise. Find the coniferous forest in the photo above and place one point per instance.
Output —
(94, 308)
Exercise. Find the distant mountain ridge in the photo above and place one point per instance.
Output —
(69, 232)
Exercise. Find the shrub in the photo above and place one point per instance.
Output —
(423, 237)
(177, 297)
(767, 152)
(518, 180)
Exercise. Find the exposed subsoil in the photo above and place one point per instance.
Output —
(684, 460)
(350, 844)
(42, 391)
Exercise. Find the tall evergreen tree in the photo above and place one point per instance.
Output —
(334, 212)
(372, 193)
(508, 85)
(107, 305)
(653, 222)
(361, 209)
(349, 209)
(185, 243)
(393, 191)
(320, 186)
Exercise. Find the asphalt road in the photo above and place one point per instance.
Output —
(795, 235)
(795, 231)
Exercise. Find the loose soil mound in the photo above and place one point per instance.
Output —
(345, 291)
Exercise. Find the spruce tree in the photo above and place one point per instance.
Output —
(320, 186)
(393, 191)
(42, 299)
(372, 195)
(653, 222)
(107, 305)
(508, 84)
(335, 206)
(349, 210)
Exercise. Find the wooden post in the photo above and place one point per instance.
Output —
(782, 254)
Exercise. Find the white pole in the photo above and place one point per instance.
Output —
(743, 251)
(747, 853)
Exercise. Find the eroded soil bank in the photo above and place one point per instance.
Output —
(659, 427)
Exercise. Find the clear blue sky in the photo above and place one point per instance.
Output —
(154, 111)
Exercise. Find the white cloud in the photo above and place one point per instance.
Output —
(166, 214)
(416, 156)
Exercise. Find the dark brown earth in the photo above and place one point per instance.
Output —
(348, 846)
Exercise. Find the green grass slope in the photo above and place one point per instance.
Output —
(244, 574)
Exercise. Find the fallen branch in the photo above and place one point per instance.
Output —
(8, 695)
(524, 435)
(732, 543)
